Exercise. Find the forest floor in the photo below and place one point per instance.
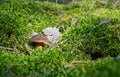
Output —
(89, 46)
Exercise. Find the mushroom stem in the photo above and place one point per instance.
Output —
(39, 45)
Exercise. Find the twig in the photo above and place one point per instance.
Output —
(17, 43)
(109, 37)
(75, 48)
(91, 7)
(101, 23)
(103, 2)
(62, 42)
(46, 12)
(11, 49)
(72, 64)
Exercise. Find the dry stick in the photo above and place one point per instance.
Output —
(17, 43)
(102, 2)
(62, 42)
(79, 42)
(91, 7)
(74, 61)
(11, 49)
(71, 63)
(46, 12)
(101, 23)
(109, 37)
(80, 61)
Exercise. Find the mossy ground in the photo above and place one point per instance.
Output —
(76, 54)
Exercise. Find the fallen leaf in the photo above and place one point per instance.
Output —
(52, 33)
(73, 21)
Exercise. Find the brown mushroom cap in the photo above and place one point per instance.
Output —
(39, 38)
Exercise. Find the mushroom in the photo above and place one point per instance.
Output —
(39, 40)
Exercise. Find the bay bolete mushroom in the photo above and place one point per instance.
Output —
(39, 40)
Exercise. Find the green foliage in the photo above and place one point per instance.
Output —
(80, 54)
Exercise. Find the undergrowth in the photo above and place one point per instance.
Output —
(76, 53)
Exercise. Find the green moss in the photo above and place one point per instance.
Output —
(72, 58)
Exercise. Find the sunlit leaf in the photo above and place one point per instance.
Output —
(52, 33)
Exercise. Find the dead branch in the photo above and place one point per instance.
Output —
(7, 48)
